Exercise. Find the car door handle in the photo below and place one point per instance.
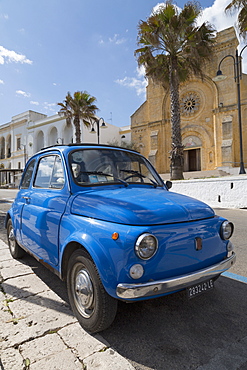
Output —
(27, 199)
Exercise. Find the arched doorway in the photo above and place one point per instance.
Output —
(192, 153)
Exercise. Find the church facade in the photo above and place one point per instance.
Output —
(209, 117)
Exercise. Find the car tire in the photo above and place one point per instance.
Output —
(93, 307)
(15, 250)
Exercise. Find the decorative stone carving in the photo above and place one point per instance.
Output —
(190, 103)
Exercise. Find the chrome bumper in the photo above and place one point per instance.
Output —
(155, 288)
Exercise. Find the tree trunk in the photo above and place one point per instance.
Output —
(176, 153)
(77, 129)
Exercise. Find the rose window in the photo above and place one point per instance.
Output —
(189, 103)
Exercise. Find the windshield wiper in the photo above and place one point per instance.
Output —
(140, 175)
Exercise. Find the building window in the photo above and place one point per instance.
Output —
(18, 143)
(190, 103)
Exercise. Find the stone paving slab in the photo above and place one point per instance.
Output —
(38, 329)
(83, 343)
(60, 361)
(23, 286)
(5, 255)
(45, 346)
(39, 303)
(11, 359)
(13, 268)
(108, 360)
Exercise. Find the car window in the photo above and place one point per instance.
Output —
(57, 179)
(104, 166)
(50, 173)
(28, 175)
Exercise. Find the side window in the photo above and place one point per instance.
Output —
(28, 175)
(57, 180)
(50, 173)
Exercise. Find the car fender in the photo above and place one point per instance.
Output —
(95, 237)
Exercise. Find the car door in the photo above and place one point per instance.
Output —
(44, 205)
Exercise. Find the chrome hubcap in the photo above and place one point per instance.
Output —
(83, 293)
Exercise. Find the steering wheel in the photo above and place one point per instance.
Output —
(139, 175)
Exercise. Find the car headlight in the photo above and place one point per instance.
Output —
(226, 230)
(146, 246)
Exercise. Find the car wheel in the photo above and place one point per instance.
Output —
(15, 250)
(92, 306)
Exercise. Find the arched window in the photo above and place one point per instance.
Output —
(2, 148)
(39, 141)
(68, 134)
(52, 139)
(8, 146)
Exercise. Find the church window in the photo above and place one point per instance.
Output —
(190, 103)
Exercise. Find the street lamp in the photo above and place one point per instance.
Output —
(237, 77)
(59, 139)
(97, 122)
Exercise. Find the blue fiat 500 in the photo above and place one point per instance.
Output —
(103, 220)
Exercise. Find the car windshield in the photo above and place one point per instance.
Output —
(104, 166)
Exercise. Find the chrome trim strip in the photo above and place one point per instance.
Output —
(155, 288)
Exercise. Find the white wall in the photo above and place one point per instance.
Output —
(225, 192)
(36, 131)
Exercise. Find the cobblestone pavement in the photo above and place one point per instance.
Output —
(38, 330)
(4, 206)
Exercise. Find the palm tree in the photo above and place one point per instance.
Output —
(241, 5)
(81, 106)
(172, 47)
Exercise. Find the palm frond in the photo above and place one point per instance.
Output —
(80, 106)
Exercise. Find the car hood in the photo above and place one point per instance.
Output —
(139, 206)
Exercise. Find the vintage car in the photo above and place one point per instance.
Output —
(103, 220)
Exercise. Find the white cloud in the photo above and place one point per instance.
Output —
(1, 82)
(34, 102)
(138, 83)
(22, 31)
(4, 16)
(50, 106)
(216, 15)
(9, 56)
(23, 93)
(116, 40)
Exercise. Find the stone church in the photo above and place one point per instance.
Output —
(209, 116)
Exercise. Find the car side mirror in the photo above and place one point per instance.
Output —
(168, 184)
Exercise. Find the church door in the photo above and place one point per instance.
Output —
(192, 160)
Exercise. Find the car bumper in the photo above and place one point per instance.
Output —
(155, 288)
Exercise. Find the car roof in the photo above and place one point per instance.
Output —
(85, 145)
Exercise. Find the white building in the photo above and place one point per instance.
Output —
(30, 131)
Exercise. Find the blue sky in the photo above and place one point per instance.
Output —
(50, 47)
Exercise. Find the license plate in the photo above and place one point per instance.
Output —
(200, 288)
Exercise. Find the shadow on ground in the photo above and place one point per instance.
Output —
(171, 332)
